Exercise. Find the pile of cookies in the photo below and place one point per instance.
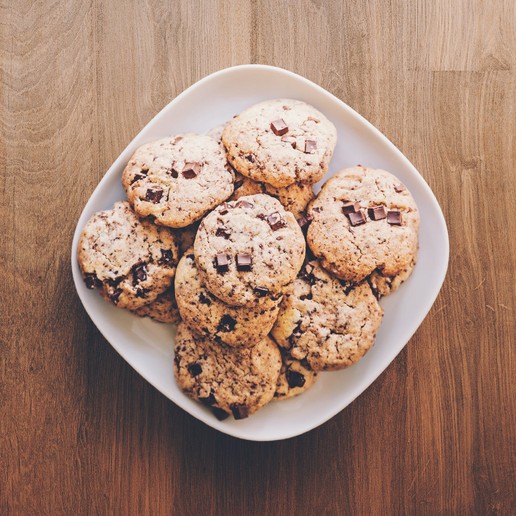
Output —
(268, 283)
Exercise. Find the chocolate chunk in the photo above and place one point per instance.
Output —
(223, 208)
(279, 127)
(154, 195)
(195, 369)
(208, 400)
(261, 291)
(377, 213)
(399, 188)
(166, 257)
(91, 280)
(227, 323)
(142, 292)
(394, 218)
(173, 172)
(238, 184)
(244, 204)
(114, 296)
(191, 170)
(357, 218)
(114, 282)
(310, 146)
(239, 411)
(317, 209)
(275, 221)
(350, 207)
(249, 157)
(219, 413)
(291, 140)
(223, 232)
(304, 220)
(244, 262)
(222, 262)
(139, 273)
(205, 300)
(295, 379)
(137, 177)
(348, 287)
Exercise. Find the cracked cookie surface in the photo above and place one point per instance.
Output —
(162, 309)
(130, 260)
(280, 142)
(178, 179)
(295, 377)
(207, 316)
(248, 250)
(350, 238)
(329, 324)
(238, 381)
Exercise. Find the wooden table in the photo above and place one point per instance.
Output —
(82, 433)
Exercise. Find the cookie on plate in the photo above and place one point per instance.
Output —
(236, 381)
(294, 198)
(209, 317)
(162, 309)
(280, 142)
(362, 220)
(329, 324)
(130, 260)
(249, 249)
(295, 377)
(178, 179)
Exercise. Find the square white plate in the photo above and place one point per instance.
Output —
(148, 346)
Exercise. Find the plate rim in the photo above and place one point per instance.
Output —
(440, 224)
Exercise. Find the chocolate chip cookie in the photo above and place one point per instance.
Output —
(328, 323)
(364, 220)
(295, 377)
(207, 316)
(178, 179)
(249, 249)
(236, 381)
(130, 260)
(280, 142)
(162, 309)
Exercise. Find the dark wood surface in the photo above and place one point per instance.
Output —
(82, 433)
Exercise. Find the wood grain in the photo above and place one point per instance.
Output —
(82, 433)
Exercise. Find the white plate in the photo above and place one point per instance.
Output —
(147, 346)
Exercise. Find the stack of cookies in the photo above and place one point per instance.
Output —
(269, 284)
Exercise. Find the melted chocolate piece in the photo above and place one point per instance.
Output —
(226, 324)
(114, 296)
(244, 204)
(219, 413)
(275, 221)
(244, 262)
(222, 262)
(295, 379)
(357, 218)
(279, 127)
(394, 218)
(377, 213)
(350, 207)
(154, 195)
(137, 177)
(223, 232)
(139, 273)
(261, 291)
(166, 257)
(310, 146)
(249, 157)
(191, 170)
(91, 280)
(239, 411)
(208, 400)
(195, 369)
